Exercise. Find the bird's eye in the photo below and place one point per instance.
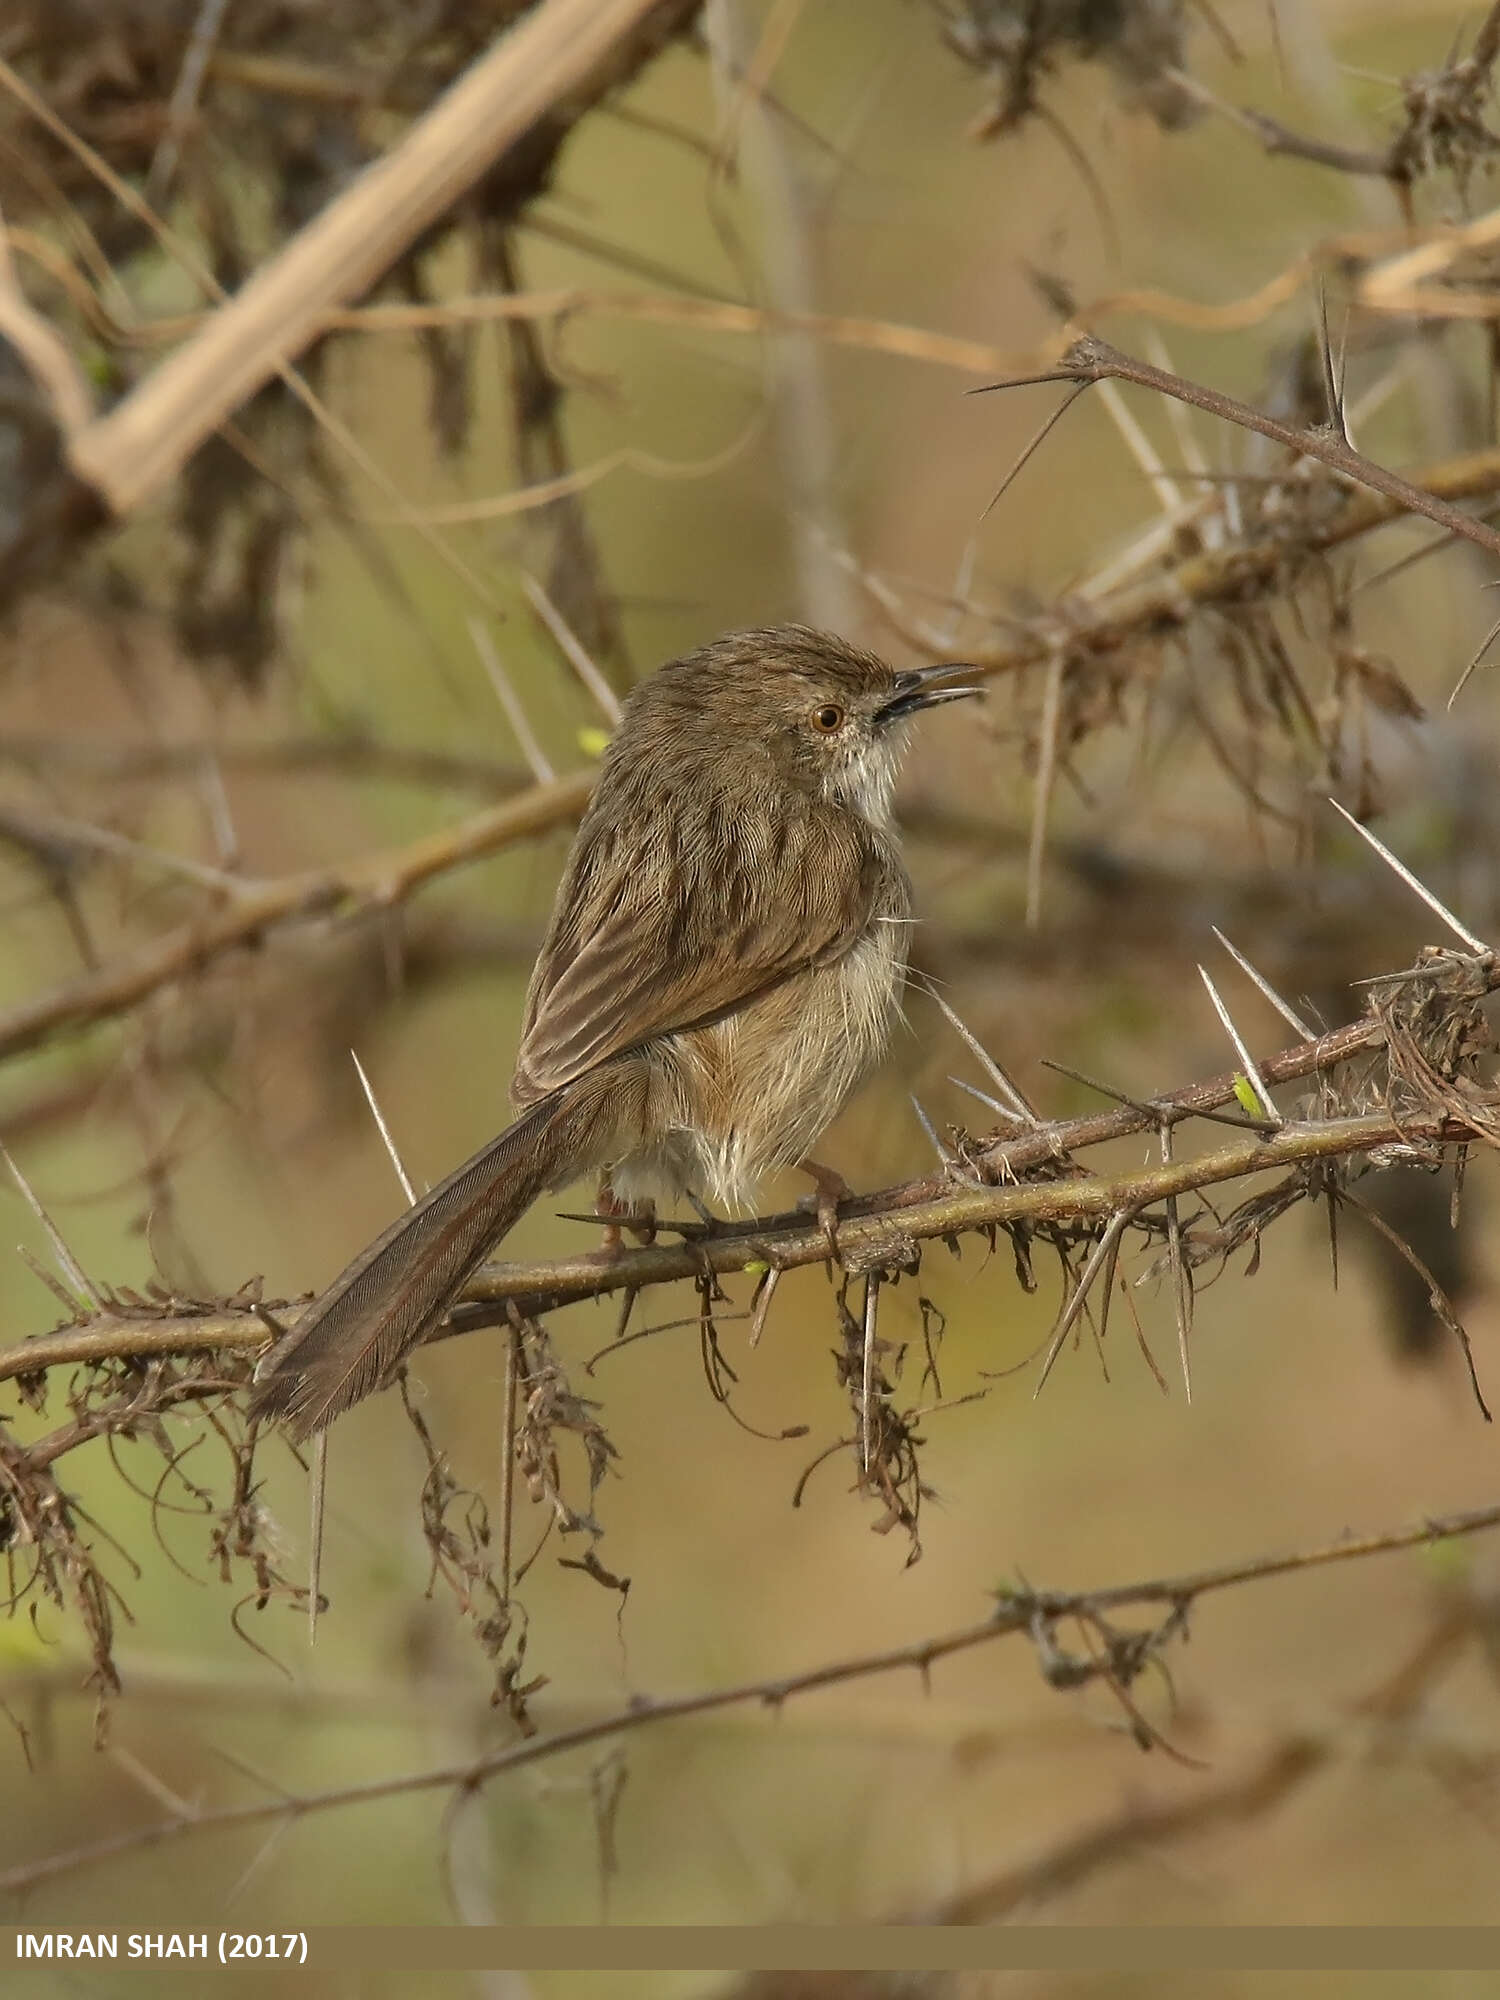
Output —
(828, 718)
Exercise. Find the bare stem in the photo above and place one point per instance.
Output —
(1017, 1612)
(934, 1206)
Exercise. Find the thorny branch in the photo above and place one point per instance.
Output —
(1400, 1085)
(1090, 360)
(1019, 1612)
(1386, 1713)
(1015, 1180)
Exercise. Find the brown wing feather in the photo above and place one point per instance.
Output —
(631, 953)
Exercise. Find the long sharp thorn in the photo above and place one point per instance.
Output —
(1246, 1059)
(1463, 680)
(317, 1494)
(1332, 387)
(573, 650)
(384, 1130)
(763, 1304)
(1292, 1019)
(997, 1076)
(1476, 945)
(994, 1104)
(510, 701)
(929, 1128)
(279, 1830)
(1046, 772)
(69, 1265)
(1074, 1307)
(1092, 1083)
(317, 1490)
(1038, 438)
(1182, 1296)
(867, 1377)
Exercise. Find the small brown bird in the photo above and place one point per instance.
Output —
(723, 964)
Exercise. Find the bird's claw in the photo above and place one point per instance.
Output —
(829, 1189)
(618, 1217)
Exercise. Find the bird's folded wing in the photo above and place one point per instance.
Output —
(683, 926)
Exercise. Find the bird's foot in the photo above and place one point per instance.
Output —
(829, 1189)
(618, 1217)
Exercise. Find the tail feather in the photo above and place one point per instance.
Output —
(395, 1291)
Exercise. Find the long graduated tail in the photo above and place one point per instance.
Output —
(396, 1290)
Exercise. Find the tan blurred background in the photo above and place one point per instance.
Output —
(879, 1799)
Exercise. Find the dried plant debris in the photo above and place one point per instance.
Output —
(56, 1552)
(183, 99)
(462, 1546)
(1015, 44)
(473, 1558)
(1446, 124)
(30, 448)
(885, 1439)
(1436, 1031)
(550, 1411)
(297, 93)
(1417, 1240)
(1417, 1068)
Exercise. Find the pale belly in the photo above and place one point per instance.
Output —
(755, 1091)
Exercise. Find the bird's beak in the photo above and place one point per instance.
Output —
(925, 687)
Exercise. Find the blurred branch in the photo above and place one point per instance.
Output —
(360, 755)
(1262, 1784)
(42, 349)
(1035, 1614)
(1443, 123)
(561, 540)
(565, 302)
(326, 993)
(1238, 566)
(375, 881)
(562, 53)
(1236, 570)
(551, 51)
(752, 141)
(1413, 283)
(1410, 282)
